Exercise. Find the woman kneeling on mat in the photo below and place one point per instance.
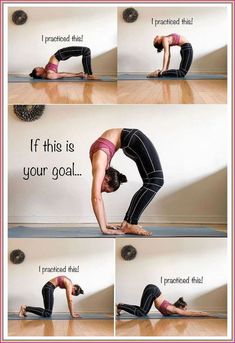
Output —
(186, 52)
(140, 149)
(152, 294)
(51, 69)
(48, 297)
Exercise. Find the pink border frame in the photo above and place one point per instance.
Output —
(232, 104)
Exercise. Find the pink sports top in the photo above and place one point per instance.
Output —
(163, 308)
(60, 281)
(52, 67)
(175, 39)
(104, 145)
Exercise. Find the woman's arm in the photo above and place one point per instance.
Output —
(53, 76)
(166, 56)
(169, 59)
(98, 172)
(70, 301)
(96, 196)
(187, 313)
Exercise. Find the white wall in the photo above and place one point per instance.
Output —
(191, 142)
(208, 36)
(171, 258)
(96, 272)
(97, 25)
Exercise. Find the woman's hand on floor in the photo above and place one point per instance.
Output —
(113, 230)
(113, 227)
(76, 315)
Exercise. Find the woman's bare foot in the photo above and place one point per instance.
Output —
(22, 312)
(90, 77)
(153, 74)
(134, 229)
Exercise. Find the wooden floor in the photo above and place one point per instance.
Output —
(136, 327)
(62, 93)
(122, 92)
(172, 92)
(172, 327)
(60, 327)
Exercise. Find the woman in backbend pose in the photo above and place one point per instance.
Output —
(140, 149)
(48, 297)
(152, 294)
(50, 71)
(165, 43)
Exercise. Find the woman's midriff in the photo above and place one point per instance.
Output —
(54, 281)
(183, 40)
(114, 136)
(53, 60)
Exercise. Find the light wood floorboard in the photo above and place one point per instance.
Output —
(172, 92)
(123, 92)
(62, 93)
(172, 327)
(60, 327)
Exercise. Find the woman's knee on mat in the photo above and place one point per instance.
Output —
(47, 313)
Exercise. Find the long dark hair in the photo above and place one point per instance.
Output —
(115, 179)
(34, 75)
(180, 303)
(78, 290)
(158, 46)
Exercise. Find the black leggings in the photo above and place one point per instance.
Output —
(186, 53)
(48, 299)
(150, 293)
(73, 51)
(140, 149)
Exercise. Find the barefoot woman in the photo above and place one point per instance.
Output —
(48, 297)
(152, 294)
(165, 43)
(140, 149)
(51, 69)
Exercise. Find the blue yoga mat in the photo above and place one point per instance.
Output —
(61, 316)
(94, 232)
(129, 77)
(127, 316)
(23, 79)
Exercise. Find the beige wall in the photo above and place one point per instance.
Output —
(97, 25)
(191, 142)
(94, 257)
(208, 35)
(171, 258)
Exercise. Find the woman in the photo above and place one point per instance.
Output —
(48, 297)
(152, 294)
(165, 43)
(51, 69)
(140, 149)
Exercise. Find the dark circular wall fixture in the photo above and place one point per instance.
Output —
(29, 112)
(128, 252)
(130, 15)
(17, 256)
(19, 17)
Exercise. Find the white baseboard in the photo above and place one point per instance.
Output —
(194, 71)
(80, 309)
(114, 74)
(208, 309)
(160, 219)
